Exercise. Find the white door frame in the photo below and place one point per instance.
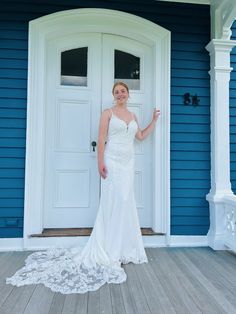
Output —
(61, 24)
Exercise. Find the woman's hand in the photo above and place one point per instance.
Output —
(156, 114)
(102, 170)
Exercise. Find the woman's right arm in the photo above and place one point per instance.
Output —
(102, 135)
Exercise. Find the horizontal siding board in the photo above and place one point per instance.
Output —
(11, 212)
(180, 91)
(200, 74)
(13, 73)
(13, 64)
(16, 133)
(12, 193)
(12, 142)
(13, 44)
(13, 34)
(186, 192)
(184, 146)
(178, 106)
(12, 173)
(13, 83)
(188, 202)
(16, 162)
(11, 183)
(10, 113)
(13, 152)
(196, 128)
(189, 137)
(191, 220)
(197, 174)
(12, 103)
(11, 222)
(190, 82)
(186, 118)
(189, 64)
(13, 92)
(190, 140)
(186, 156)
(13, 54)
(8, 25)
(189, 230)
(191, 164)
(11, 232)
(13, 123)
(11, 203)
(194, 56)
(190, 211)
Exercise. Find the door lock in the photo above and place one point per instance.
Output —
(94, 144)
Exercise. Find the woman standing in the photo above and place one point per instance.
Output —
(116, 237)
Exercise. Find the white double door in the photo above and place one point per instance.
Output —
(81, 70)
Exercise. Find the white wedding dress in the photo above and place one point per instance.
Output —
(116, 236)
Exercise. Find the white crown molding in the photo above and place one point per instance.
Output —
(206, 2)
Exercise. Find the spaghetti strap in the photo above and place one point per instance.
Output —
(111, 112)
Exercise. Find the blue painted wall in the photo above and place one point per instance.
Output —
(190, 126)
(232, 109)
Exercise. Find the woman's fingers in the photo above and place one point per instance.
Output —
(156, 114)
(103, 172)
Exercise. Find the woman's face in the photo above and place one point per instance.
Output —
(120, 94)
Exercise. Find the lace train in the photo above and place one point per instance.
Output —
(58, 270)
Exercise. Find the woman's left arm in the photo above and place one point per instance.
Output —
(142, 134)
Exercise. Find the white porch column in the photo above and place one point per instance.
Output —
(220, 143)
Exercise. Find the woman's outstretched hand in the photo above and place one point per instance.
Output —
(156, 114)
(102, 170)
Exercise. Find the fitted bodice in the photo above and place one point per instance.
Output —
(120, 132)
(120, 140)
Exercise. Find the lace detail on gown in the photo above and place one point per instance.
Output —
(116, 237)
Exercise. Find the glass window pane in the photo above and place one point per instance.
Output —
(127, 69)
(74, 67)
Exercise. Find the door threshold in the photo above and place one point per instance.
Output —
(80, 232)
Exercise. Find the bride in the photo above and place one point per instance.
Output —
(116, 237)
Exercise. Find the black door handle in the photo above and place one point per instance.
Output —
(94, 144)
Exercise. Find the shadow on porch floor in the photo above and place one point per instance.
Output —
(176, 280)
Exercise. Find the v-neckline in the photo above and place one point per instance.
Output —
(127, 124)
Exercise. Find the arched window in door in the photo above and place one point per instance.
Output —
(74, 67)
(127, 69)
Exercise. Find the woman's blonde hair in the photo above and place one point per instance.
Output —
(122, 84)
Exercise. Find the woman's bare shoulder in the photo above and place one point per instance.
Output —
(107, 112)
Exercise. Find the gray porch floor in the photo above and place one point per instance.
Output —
(176, 280)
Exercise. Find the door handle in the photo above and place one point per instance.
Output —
(94, 144)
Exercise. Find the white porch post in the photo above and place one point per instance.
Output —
(220, 143)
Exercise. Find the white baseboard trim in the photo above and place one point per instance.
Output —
(188, 241)
(11, 244)
(19, 244)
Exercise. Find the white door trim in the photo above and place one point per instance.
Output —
(104, 21)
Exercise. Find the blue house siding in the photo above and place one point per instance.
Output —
(190, 126)
(232, 109)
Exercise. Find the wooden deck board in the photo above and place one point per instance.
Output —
(176, 280)
(105, 300)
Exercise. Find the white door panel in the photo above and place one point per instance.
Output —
(140, 102)
(71, 177)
